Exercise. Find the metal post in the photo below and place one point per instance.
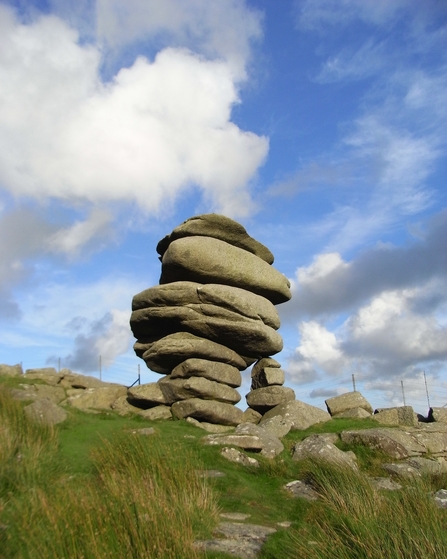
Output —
(426, 390)
(139, 382)
(100, 368)
(403, 393)
(59, 365)
(353, 381)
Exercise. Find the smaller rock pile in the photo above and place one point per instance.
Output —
(212, 315)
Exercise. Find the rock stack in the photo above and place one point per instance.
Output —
(211, 316)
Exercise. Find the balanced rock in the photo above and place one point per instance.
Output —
(217, 227)
(212, 316)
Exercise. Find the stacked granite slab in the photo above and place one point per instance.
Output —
(211, 316)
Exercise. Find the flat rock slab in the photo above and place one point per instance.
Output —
(211, 370)
(239, 301)
(165, 354)
(197, 387)
(240, 540)
(264, 399)
(207, 410)
(208, 260)
(400, 443)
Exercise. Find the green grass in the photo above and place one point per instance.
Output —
(91, 489)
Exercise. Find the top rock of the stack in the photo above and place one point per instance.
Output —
(219, 227)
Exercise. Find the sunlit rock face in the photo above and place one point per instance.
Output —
(212, 315)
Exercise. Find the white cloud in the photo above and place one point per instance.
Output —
(216, 29)
(72, 240)
(156, 130)
(355, 64)
(313, 14)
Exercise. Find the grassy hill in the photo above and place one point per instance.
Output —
(92, 488)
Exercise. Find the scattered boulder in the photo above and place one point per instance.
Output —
(97, 398)
(403, 415)
(210, 427)
(45, 411)
(438, 414)
(11, 370)
(318, 447)
(302, 489)
(300, 414)
(346, 402)
(37, 392)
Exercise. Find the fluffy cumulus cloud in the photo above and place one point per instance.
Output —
(157, 128)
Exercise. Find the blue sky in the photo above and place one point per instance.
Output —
(320, 125)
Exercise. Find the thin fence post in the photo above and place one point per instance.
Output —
(100, 368)
(353, 382)
(139, 382)
(426, 390)
(403, 393)
(59, 365)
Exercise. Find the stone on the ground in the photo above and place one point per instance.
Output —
(218, 227)
(11, 370)
(209, 427)
(300, 414)
(247, 442)
(38, 391)
(394, 442)
(207, 410)
(317, 447)
(347, 401)
(300, 488)
(211, 370)
(46, 412)
(75, 380)
(157, 412)
(403, 415)
(234, 455)
(438, 414)
(147, 395)
(101, 398)
(207, 260)
(271, 445)
(170, 351)
(251, 416)
(264, 399)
